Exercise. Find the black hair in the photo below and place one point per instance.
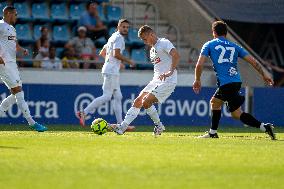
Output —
(89, 3)
(220, 28)
(8, 9)
(43, 27)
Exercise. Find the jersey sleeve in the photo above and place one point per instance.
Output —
(118, 43)
(205, 50)
(1, 28)
(242, 52)
(167, 46)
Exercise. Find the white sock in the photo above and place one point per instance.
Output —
(97, 102)
(22, 105)
(212, 131)
(131, 114)
(117, 108)
(7, 103)
(262, 128)
(152, 112)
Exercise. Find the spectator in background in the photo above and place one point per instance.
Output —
(44, 36)
(91, 20)
(51, 62)
(41, 46)
(70, 60)
(84, 47)
(43, 52)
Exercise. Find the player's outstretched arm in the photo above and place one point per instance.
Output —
(198, 71)
(103, 52)
(175, 60)
(119, 56)
(1, 61)
(21, 49)
(257, 66)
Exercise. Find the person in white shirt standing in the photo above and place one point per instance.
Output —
(165, 58)
(51, 62)
(112, 52)
(9, 72)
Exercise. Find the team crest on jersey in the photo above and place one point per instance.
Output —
(12, 37)
(233, 71)
(153, 56)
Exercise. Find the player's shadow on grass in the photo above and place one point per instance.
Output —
(10, 147)
(202, 129)
(149, 128)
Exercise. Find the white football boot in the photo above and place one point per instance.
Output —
(158, 129)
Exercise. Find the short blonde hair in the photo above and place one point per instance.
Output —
(144, 29)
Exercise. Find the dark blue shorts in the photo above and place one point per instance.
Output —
(230, 93)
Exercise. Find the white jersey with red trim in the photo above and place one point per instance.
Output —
(8, 40)
(112, 64)
(162, 60)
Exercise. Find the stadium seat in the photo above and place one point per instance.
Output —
(24, 33)
(139, 56)
(23, 11)
(102, 14)
(40, 11)
(111, 31)
(25, 61)
(113, 14)
(100, 42)
(76, 11)
(61, 33)
(2, 5)
(59, 52)
(126, 53)
(102, 1)
(37, 31)
(133, 39)
(59, 12)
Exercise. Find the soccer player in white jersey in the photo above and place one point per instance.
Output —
(165, 58)
(112, 52)
(9, 72)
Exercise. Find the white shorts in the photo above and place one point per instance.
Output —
(111, 84)
(161, 90)
(10, 75)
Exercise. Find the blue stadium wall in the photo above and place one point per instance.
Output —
(57, 104)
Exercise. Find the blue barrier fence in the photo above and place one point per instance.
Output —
(57, 104)
(269, 105)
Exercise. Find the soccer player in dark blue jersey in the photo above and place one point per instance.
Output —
(224, 55)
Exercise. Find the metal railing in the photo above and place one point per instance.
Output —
(133, 3)
(173, 33)
(155, 9)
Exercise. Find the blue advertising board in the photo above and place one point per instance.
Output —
(268, 105)
(58, 104)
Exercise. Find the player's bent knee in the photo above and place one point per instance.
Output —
(215, 104)
(146, 104)
(236, 115)
(137, 103)
(16, 90)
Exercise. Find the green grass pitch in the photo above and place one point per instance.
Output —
(71, 157)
